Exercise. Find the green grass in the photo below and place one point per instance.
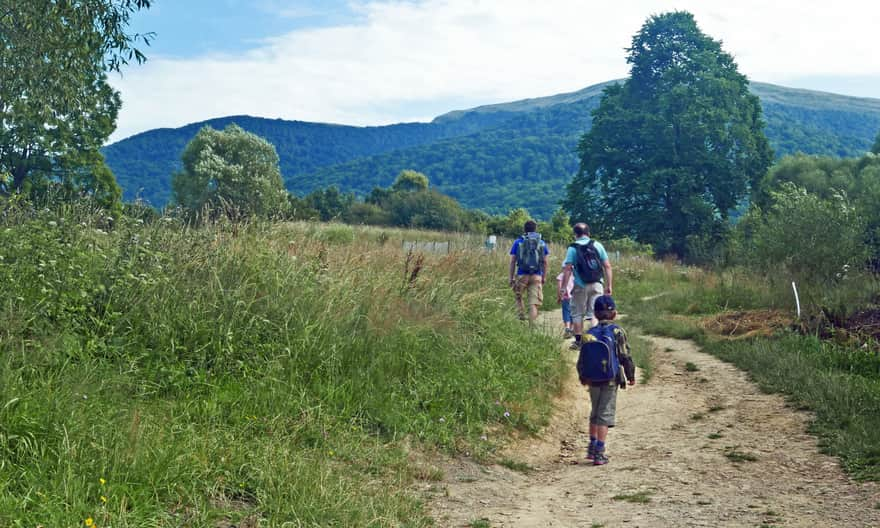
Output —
(641, 497)
(480, 523)
(283, 373)
(736, 456)
(691, 367)
(522, 467)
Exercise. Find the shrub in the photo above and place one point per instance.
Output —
(803, 237)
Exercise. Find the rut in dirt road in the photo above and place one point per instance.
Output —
(699, 445)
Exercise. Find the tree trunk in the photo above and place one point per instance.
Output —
(19, 173)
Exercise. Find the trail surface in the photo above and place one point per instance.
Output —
(698, 446)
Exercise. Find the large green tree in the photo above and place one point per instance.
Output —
(875, 149)
(674, 148)
(56, 107)
(231, 172)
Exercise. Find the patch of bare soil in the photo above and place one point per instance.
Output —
(699, 445)
(860, 327)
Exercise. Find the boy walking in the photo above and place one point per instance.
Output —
(604, 365)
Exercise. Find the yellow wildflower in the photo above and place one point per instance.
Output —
(89, 522)
(103, 498)
(102, 481)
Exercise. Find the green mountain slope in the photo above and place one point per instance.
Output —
(143, 164)
(494, 157)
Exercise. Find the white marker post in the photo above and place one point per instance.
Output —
(797, 301)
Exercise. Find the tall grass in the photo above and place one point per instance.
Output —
(157, 375)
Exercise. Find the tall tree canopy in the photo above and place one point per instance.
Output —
(674, 148)
(230, 171)
(56, 107)
(410, 181)
(875, 149)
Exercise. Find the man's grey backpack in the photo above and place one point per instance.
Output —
(530, 254)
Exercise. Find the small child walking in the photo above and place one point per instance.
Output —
(604, 365)
(563, 297)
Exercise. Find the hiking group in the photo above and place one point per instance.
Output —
(584, 290)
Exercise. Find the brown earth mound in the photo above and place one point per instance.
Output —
(862, 326)
(747, 323)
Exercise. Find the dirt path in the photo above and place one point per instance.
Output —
(676, 449)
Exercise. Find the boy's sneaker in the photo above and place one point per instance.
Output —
(568, 333)
(591, 453)
(575, 345)
(600, 459)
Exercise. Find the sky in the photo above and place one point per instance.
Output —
(378, 62)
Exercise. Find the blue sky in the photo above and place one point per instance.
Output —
(192, 28)
(374, 62)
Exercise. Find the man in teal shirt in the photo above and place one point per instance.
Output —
(586, 288)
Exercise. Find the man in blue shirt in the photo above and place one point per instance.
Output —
(586, 288)
(530, 268)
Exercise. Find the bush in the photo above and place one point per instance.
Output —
(803, 237)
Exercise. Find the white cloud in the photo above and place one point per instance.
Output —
(402, 54)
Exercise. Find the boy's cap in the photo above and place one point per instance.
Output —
(604, 303)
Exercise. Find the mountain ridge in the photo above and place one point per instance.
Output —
(493, 157)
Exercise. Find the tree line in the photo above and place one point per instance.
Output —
(677, 156)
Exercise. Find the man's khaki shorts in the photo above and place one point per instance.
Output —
(530, 288)
(582, 300)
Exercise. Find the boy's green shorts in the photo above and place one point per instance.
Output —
(603, 399)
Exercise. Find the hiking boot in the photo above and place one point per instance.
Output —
(600, 459)
(591, 453)
(575, 345)
(567, 333)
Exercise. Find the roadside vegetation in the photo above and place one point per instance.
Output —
(830, 367)
(152, 373)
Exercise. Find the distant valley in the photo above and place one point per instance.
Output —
(494, 158)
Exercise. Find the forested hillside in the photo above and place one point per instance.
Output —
(494, 157)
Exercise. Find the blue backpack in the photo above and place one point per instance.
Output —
(598, 361)
(530, 254)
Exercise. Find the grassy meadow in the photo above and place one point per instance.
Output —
(302, 374)
(286, 374)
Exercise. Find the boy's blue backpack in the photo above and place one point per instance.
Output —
(598, 361)
(530, 254)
